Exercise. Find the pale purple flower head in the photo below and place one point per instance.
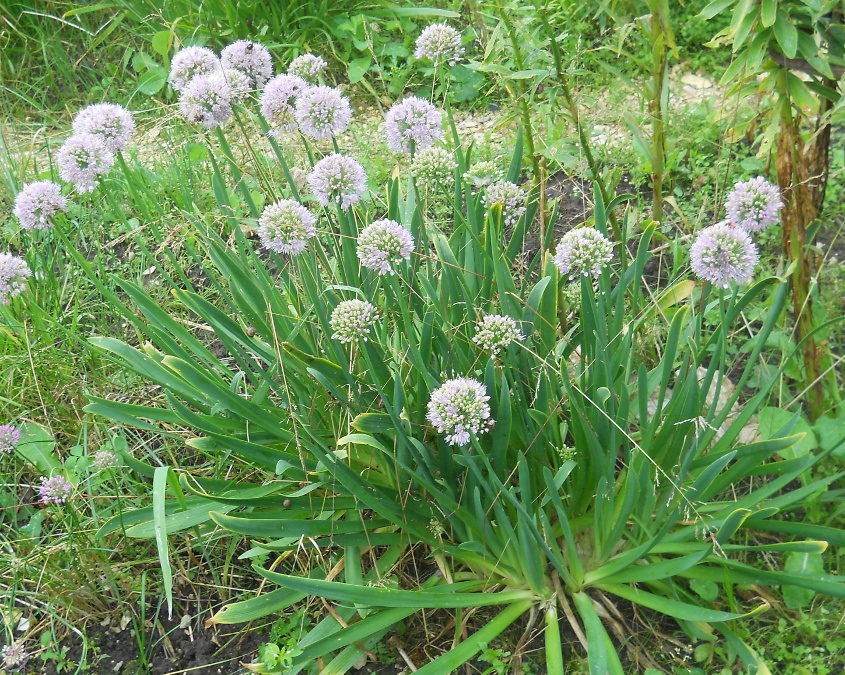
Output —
(495, 332)
(238, 82)
(459, 409)
(583, 251)
(322, 112)
(439, 43)
(112, 123)
(510, 197)
(383, 244)
(723, 253)
(37, 203)
(54, 490)
(308, 67)
(753, 205)
(352, 320)
(190, 62)
(251, 58)
(82, 159)
(13, 276)
(207, 100)
(104, 459)
(338, 178)
(413, 121)
(10, 436)
(286, 226)
(13, 655)
(278, 100)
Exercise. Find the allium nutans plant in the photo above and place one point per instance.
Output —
(550, 480)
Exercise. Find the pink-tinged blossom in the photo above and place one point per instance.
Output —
(510, 197)
(251, 58)
(495, 332)
(722, 254)
(308, 67)
(37, 203)
(13, 275)
(460, 410)
(352, 320)
(112, 123)
(413, 121)
(338, 179)
(82, 159)
(54, 490)
(383, 244)
(754, 205)
(278, 100)
(207, 101)
(286, 226)
(13, 655)
(439, 43)
(10, 436)
(238, 82)
(189, 62)
(104, 459)
(322, 112)
(583, 251)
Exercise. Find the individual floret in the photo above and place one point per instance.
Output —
(339, 179)
(383, 244)
(308, 67)
(286, 226)
(13, 275)
(413, 123)
(189, 62)
(433, 167)
(37, 203)
(207, 101)
(278, 102)
(112, 123)
(352, 320)
(753, 205)
(82, 160)
(10, 436)
(583, 251)
(510, 197)
(439, 43)
(322, 112)
(722, 254)
(460, 410)
(54, 490)
(495, 332)
(251, 58)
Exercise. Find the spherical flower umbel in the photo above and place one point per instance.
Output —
(723, 253)
(54, 490)
(383, 244)
(189, 62)
(352, 320)
(82, 159)
(433, 167)
(753, 205)
(13, 276)
(37, 203)
(251, 58)
(13, 654)
(322, 112)
(112, 123)
(278, 100)
(338, 178)
(483, 173)
(413, 121)
(10, 436)
(459, 409)
(583, 251)
(510, 197)
(239, 83)
(495, 332)
(286, 226)
(308, 67)
(104, 459)
(439, 43)
(207, 101)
